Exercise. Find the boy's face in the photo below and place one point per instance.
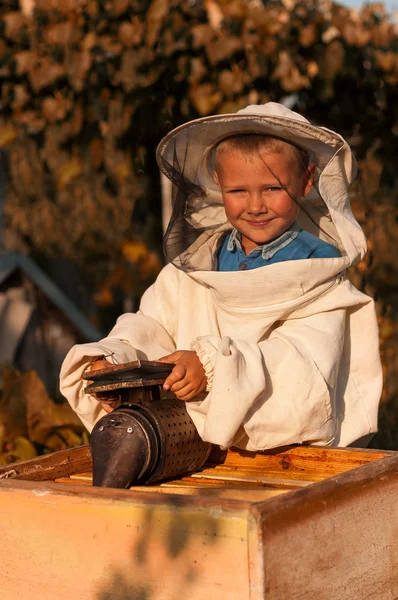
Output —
(254, 191)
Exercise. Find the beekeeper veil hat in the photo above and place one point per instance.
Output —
(198, 221)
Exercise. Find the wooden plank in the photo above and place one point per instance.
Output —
(332, 540)
(235, 492)
(211, 475)
(82, 476)
(95, 494)
(50, 466)
(305, 462)
(75, 482)
(264, 481)
(301, 462)
(70, 546)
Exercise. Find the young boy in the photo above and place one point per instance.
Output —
(271, 344)
(262, 180)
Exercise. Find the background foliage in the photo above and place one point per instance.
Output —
(89, 87)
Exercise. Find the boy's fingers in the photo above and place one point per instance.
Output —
(180, 385)
(171, 358)
(99, 363)
(189, 391)
(189, 395)
(185, 392)
(177, 374)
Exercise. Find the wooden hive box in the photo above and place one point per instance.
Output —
(294, 523)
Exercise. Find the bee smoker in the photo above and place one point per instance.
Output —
(146, 439)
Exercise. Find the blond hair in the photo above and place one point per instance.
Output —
(251, 143)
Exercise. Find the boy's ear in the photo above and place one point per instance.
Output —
(308, 179)
(215, 177)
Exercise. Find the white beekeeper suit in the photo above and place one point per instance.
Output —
(290, 349)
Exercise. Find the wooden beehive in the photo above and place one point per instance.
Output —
(300, 522)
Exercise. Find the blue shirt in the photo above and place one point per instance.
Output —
(293, 244)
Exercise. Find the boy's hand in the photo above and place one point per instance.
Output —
(109, 400)
(188, 378)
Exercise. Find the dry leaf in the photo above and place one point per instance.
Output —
(312, 69)
(42, 414)
(104, 297)
(56, 108)
(205, 98)
(123, 170)
(13, 405)
(215, 15)
(117, 7)
(130, 35)
(21, 97)
(27, 7)
(197, 70)
(155, 17)
(134, 251)
(388, 61)
(62, 438)
(308, 35)
(289, 4)
(76, 122)
(14, 24)
(331, 65)
(4, 50)
(96, 150)
(110, 46)
(290, 77)
(66, 6)
(356, 35)
(232, 82)
(65, 33)
(221, 48)
(31, 119)
(18, 449)
(268, 48)
(25, 61)
(78, 68)
(90, 40)
(202, 35)
(383, 34)
(68, 172)
(8, 133)
(45, 73)
(150, 265)
(330, 34)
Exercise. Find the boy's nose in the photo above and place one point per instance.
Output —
(256, 204)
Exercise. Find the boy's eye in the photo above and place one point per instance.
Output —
(242, 191)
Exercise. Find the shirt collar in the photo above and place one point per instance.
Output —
(267, 250)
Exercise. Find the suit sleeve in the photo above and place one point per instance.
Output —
(274, 393)
(147, 334)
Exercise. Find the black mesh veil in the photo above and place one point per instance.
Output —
(192, 204)
(198, 221)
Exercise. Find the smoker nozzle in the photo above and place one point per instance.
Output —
(124, 448)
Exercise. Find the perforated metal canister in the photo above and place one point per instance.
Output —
(181, 448)
(142, 444)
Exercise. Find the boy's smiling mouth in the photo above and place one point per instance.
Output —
(258, 223)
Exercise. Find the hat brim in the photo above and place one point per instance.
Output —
(191, 144)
